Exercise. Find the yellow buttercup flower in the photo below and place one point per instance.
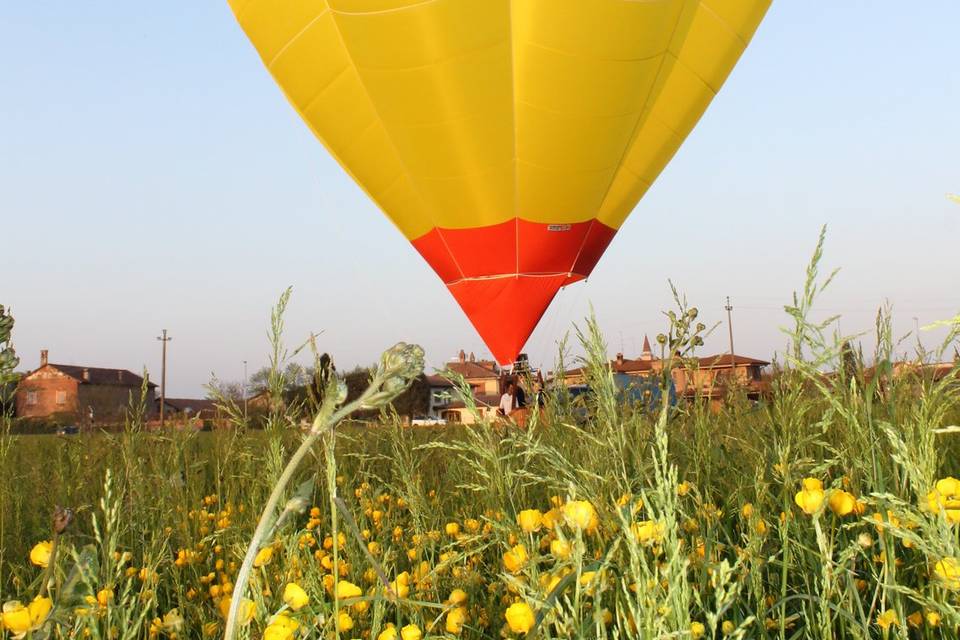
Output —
(344, 622)
(172, 621)
(456, 618)
(727, 627)
(104, 597)
(348, 590)
(550, 518)
(20, 620)
(457, 597)
(647, 532)
(948, 571)
(697, 630)
(842, 503)
(530, 520)
(886, 619)
(810, 497)
(389, 633)
(515, 558)
(244, 612)
(560, 549)
(580, 514)
(295, 597)
(411, 632)
(945, 498)
(40, 554)
(452, 529)
(263, 557)
(519, 617)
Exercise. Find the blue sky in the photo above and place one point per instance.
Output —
(152, 176)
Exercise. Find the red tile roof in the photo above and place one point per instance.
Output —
(438, 381)
(723, 360)
(101, 375)
(471, 370)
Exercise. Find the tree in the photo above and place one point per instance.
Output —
(8, 362)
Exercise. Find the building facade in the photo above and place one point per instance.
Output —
(710, 378)
(79, 394)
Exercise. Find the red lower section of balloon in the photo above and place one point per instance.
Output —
(505, 275)
(515, 246)
(506, 310)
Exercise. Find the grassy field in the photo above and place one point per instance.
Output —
(827, 511)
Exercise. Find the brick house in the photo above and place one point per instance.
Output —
(484, 379)
(88, 395)
(708, 379)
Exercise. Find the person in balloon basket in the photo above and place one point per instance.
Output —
(507, 400)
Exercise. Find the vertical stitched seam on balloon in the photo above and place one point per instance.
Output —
(403, 166)
(631, 141)
(296, 37)
(516, 159)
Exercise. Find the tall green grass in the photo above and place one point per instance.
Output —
(698, 533)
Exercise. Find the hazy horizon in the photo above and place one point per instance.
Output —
(153, 176)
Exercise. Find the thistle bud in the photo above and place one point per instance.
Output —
(61, 519)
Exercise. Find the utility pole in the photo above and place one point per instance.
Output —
(163, 375)
(245, 390)
(729, 309)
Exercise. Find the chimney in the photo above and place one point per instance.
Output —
(473, 358)
(86, 374)
(620, 359)
(43, 357)
(462, 356)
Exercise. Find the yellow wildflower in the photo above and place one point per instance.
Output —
(244, 613)
(456, 618)
(948, 571)
(344, 622)
(389, 632)
(40, 554)
(20, 620)
(842, 503)
(560, 549)
(295, 597)
(810, 497)
(519, 617)
(530, 520)
(515, 558)
(580, 514)
(411, 632)
(886, 619)
(263, 557)
(348, 590)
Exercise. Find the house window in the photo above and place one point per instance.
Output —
(31, 398)
(61, 397)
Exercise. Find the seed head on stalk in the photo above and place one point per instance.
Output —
(397, 369)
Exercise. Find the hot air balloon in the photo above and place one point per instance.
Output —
(508, 140)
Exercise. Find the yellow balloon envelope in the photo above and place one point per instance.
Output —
(507, 140)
